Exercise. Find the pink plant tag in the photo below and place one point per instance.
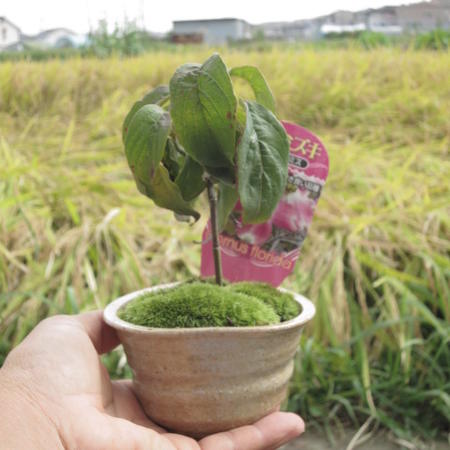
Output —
(268, 252)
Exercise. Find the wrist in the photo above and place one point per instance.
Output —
(24, 419)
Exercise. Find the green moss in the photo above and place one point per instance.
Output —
(282, 303)
(198, 305)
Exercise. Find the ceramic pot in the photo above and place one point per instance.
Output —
(198, 381)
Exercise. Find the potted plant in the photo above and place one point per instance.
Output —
(209, 357)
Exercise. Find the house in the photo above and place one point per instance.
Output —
(271, 30)
(11, 38)
(211, 31)
(341, 18)
(10, 34)
(424, 16)
(416, 17)
(55, 38)
(383, 20)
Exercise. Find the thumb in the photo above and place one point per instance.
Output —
(114, 433)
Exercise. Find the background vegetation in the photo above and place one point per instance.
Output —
(127, 40)
(75, 234)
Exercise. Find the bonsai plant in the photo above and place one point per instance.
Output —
(209, 357)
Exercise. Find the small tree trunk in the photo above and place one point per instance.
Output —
(214, 230)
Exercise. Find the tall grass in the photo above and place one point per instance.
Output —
(74, 232)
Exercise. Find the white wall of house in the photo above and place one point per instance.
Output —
(9, 33)
(58, 37)
(215, 32)
(329, 28)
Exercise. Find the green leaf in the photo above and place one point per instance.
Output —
(157, 95)
(146, 140)
(203, 107)
(224, 174)
(165, 193)
(173, 158)
(228, 197)
(241, 116)
(190, 179)
(262, 155)
(126, 123)
(255, 78)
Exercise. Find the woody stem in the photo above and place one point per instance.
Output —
(214, 230)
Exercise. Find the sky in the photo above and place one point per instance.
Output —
(32, 16)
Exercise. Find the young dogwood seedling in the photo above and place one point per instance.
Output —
(196, 135)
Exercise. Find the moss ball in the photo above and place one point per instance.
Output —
(281, 302)
(198, 305)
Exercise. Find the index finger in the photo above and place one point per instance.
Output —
(101, 334)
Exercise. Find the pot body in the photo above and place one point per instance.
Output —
(199, 381)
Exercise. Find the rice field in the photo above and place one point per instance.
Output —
(75, 233)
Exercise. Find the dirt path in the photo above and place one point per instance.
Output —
(313, 441)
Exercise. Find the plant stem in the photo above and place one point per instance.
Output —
(214, 230)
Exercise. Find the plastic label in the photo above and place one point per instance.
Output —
(268, 252)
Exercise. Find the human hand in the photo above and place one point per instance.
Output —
(60, 396)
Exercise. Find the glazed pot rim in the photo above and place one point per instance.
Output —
(112, 319)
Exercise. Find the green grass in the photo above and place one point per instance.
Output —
(75, 234)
